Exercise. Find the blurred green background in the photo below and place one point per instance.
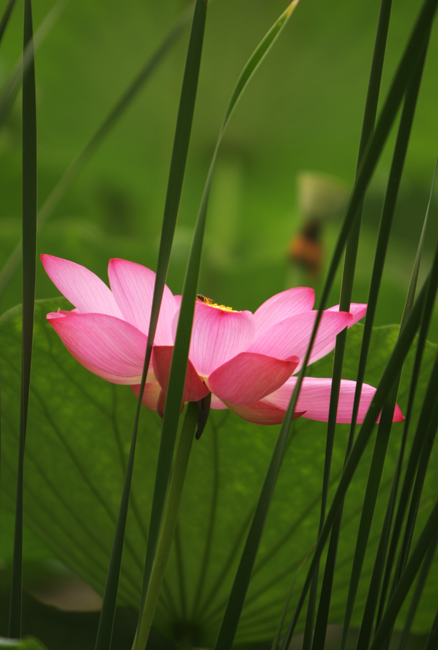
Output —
(302, 111)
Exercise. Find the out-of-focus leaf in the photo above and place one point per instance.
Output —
(78, 440)
(33, 548)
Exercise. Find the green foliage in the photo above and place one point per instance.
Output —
(77, 445)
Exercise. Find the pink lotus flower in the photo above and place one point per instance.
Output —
(107, 330)
(244, 360)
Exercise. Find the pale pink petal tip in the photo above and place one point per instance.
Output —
(357, 311)
(87, 292)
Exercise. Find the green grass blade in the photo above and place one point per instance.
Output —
(29, 207)
(385, 425)
(11, 89)
(430, 432)
(405, 70)
(257, 57)
(415, 452)
(383, 548)
(95, 141)
(394, 180)
(5, 18)
(370, 113)
(179, 359)
(427, 541)
(182, 136)
(235, 602)
(403, 74)
(200, 588)
(422, 579)
(168, 529)
(177, 377)
(182, 340)
(432, 641)
(109, 601)
(416, 267)
(391, 371)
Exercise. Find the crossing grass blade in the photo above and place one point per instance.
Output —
(179, 157)
(5, 18)
(432, 641)
(383, 547)
(384, 430)
(29, 210)
(11, 89)
(177, 374)
(422, 579)
(430, 433)
(391, 371)
(415, 452)
(373, 149)
(96, 140)
(426, 543)
(352, 245)
(182, 339)
(403, 75)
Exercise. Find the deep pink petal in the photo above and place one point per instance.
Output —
(80, 286)
(194, 388)
(292, 336)
(217, 336)
(248, 377)
(151, 395)
(260, 412)
(283, 305)
(133, 288)
(108, 346)
(314, 399)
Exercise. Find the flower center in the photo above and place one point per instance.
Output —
(210, 303)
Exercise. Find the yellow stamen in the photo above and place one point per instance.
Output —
(210, 303)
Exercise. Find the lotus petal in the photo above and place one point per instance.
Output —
(283, 305)
(314, 399)
(108, 346)
(133, 288)
(248, 377)
(217, 336)
(80, 286)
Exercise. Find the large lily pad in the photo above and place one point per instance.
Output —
(77, 443)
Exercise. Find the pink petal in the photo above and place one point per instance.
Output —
(216, 403)
(194, 387)
(260, 413)
(314, 399)
(283, 305)
(217, 336)
(248, 377)
(133, 288)
(357, 310)
(292, 336)
(80, 286)
(108, 346)
(151, 395)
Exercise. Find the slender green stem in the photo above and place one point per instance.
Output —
(169, 523)
(29, 212)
